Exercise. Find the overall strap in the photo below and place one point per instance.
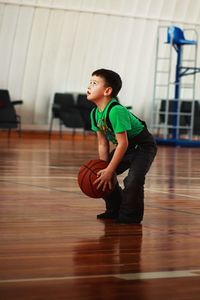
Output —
(107, 116)
(108, 112)
(93, 113)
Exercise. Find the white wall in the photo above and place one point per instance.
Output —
(49, 46)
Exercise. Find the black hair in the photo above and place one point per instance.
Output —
(112, 79)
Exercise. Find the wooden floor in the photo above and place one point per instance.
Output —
(53, 247)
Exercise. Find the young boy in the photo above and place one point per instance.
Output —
(135, 148)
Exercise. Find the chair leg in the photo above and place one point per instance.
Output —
(9, 132)
(50, 127)
(20, 130)
(60, 128)
(19, 127)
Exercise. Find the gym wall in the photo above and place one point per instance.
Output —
(53, 46)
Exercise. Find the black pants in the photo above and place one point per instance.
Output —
(129, 202)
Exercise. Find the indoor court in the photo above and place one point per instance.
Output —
(77, 78)
(53, 247)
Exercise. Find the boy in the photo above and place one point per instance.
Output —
(135, 148)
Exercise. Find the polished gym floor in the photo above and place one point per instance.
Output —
(52, 246)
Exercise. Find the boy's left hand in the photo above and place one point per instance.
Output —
(104, 179)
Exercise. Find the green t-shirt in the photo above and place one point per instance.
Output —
(121, 119)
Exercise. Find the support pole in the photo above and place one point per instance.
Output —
(175, 131)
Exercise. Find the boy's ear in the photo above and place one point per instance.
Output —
(108, 91)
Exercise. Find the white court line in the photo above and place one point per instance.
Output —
(3, 178)
(176, 194)
(170, 190)
(159, 275)
(126, 276)
(68, 177)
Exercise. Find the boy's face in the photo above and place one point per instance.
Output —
(97, 89)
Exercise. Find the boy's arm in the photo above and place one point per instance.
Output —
(105, 175)
(103, 146)
(120, 150)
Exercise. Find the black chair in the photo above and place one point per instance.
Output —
(186, 107)
(64, 109)
(8, 116)
(167, 112)
(85, 106)
(185, 118)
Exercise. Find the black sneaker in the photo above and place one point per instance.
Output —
(108, 215)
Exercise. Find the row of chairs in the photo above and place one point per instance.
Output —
(74, 112)
(70, 112)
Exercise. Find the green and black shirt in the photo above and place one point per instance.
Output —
(120, 119)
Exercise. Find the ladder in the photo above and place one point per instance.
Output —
(174, 104)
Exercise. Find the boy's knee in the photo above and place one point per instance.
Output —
(134, 180)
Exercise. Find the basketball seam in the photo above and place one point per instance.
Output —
(93, 165)
(94, 173)
(90, 166)
(91, 185)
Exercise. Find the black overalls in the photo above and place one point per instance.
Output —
(129, 202)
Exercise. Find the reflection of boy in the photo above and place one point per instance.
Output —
(135, 148)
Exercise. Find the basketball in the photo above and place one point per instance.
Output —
(88, 174)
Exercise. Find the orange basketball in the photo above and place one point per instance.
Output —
(88, 174)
